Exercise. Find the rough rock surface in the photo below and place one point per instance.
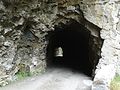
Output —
(105, 14)
(24, 25)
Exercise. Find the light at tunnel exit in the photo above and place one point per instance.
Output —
(58, 52)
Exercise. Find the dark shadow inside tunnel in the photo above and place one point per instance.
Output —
(69, 47)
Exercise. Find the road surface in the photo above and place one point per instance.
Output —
(53, 79)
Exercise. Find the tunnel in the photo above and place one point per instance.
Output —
(73, 41)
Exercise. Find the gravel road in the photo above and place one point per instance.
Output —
(53, 79)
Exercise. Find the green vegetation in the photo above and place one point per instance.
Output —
(22, 74)
(24, 71)
(115, 83)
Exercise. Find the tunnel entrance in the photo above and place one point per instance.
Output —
(69, 46)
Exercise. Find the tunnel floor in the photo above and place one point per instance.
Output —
(74, 41)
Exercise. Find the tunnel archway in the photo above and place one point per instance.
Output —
(74, 41)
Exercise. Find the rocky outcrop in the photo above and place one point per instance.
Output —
(22, 41)
(24, 26)
(105, 14)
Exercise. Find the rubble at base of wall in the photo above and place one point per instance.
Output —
(103, 77)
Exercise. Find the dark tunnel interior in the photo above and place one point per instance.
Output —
(74, 41)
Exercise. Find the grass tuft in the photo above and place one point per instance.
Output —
(22, 75)
(115, 83)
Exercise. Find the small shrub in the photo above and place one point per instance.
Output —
(22, 74)
(115, 83)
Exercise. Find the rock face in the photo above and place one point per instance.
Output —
(105, 14)
(25, 24)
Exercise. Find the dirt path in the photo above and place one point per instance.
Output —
(53, 79)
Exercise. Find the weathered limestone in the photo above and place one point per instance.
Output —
(105, 14)
(24, 26)
(103, 77)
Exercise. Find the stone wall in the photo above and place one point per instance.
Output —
(24, 25)
(22, 40)
(105, 14)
